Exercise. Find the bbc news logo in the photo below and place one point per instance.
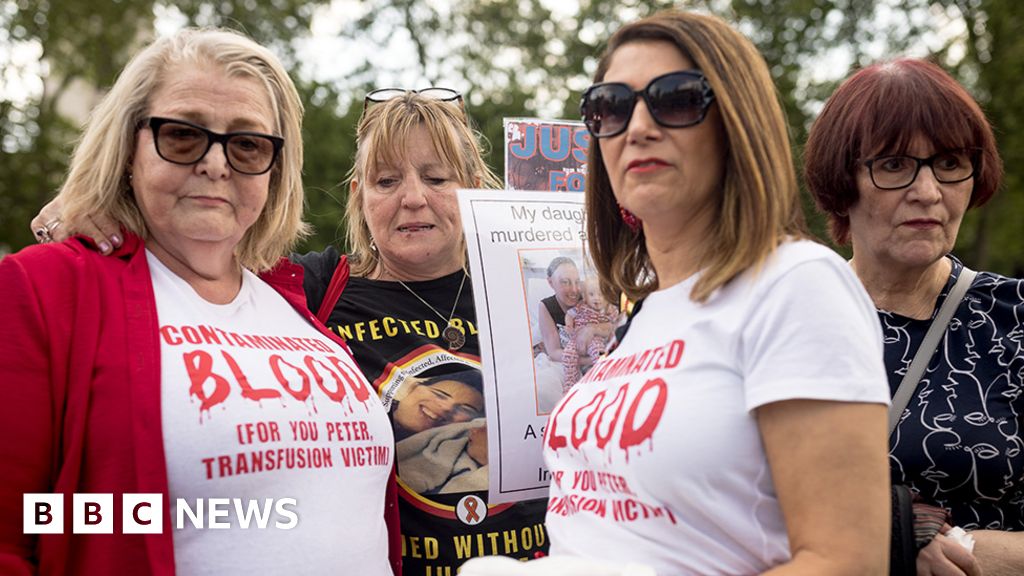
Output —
(143, 513)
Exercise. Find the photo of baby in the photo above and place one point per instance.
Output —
(587, 324)
(570, 321)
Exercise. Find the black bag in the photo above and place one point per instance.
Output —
(903, 549)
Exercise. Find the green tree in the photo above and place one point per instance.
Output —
(519, 58)
(994, 57)
(797, 35)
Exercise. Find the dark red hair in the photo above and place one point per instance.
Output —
(879, 110)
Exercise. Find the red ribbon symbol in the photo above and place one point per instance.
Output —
(471, 515)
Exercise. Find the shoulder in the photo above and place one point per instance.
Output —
(285, 276)
(796, 253)
(318, 268)
(809, 330)
(988, 288)
(804, 266)
(806, 283)
(58, 275)
(60, 261)
(318, 265)
(997, 298)
(1005, 289)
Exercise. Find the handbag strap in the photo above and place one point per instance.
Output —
(338, 281)
(928, 346)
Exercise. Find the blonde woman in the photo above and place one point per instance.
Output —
(407, 313)
(186, 364)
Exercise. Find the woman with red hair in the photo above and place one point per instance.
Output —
(899, 153)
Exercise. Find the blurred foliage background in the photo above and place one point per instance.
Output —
(511, 58)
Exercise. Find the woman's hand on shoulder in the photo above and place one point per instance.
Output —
(103, 231)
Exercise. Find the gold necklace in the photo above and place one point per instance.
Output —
(453, 335)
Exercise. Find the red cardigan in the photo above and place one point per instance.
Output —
(80, 402)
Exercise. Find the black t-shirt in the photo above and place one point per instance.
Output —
(555, 310)
(397, 341)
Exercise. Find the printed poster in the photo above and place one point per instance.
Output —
(530, 276)
(545, 155)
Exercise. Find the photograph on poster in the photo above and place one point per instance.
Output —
(441, 433)
(513, 238)
(569, 319)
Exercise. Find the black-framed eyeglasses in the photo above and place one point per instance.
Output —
(434, 93)
(948, 166)
(185, 143)
(674, 100)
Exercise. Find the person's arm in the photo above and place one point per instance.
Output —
(999, 553)
(549, 333)
(25, 414)
(601, 329)
(587, 333)
(814, 378)
(831, 475)
(104, 232)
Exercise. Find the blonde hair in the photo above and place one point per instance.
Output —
(381, 138)
(759, 205)
(98, 184)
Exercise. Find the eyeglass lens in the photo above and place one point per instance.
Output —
(675, 100)
(434, 93)
(949, 167)
(183, 143)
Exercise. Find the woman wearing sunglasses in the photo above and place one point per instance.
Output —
(897, 156)
(185, 365)
(739, 426)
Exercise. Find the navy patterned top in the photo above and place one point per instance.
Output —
(959, 443)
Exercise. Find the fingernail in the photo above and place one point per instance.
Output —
(115, 239)
(104, 247)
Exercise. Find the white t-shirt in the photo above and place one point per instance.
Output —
(656, 456)
(257, 404)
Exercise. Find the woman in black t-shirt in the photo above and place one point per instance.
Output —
(407, 313)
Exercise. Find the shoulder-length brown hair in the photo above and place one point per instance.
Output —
(381, 136)
(759, 204)
(879, 110)
(97, 182)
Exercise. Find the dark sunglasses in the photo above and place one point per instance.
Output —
(434, 93)
(674, 100)
(185, 143)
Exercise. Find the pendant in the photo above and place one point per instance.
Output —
(455, 337)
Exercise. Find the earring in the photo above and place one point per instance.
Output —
(630, 219)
